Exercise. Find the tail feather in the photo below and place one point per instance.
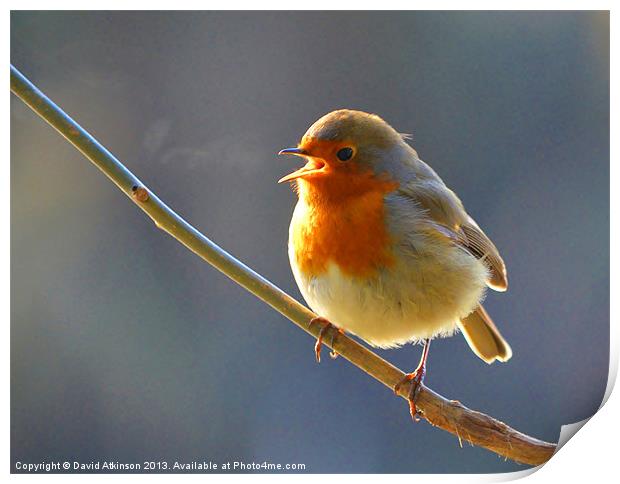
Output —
(484, 338)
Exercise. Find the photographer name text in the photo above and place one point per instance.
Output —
(154, 466)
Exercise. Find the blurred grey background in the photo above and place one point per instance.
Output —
(125, 346)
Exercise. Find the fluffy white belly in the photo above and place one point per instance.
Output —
(419, 298)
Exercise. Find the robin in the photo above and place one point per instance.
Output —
(382, 249)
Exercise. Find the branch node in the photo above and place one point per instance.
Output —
(139, 193)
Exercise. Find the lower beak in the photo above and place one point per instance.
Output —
(314, 165)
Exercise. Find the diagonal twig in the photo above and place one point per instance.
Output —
(450, 415)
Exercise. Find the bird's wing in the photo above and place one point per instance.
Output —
(477, 242)
(449, 217)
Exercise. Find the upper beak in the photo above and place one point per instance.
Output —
(293, 151)
(314, 164)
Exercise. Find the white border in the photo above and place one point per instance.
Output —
(590, 456)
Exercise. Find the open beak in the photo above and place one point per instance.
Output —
(313, 166)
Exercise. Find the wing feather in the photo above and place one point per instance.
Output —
(477, 242)
(446, 211)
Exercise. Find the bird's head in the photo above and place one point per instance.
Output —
(346, 147)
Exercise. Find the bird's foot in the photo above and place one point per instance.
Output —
(319, 341)
(332, 354)
(416, 378)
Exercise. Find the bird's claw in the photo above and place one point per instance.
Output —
(319, 341)
(416, 378)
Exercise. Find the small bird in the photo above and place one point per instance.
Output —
(382, 249)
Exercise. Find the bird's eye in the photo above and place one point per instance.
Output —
(345, 154)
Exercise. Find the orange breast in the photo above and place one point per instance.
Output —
(343, 222)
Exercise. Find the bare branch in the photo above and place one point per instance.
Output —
(474, 427)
